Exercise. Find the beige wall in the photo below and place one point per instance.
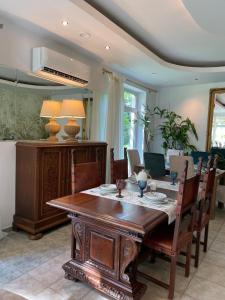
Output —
(189, 101)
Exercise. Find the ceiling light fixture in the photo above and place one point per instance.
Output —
(85, 35)
(65, 23)
(107, 47)
(196, 78)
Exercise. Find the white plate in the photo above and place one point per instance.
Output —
(155, 196)
(108, 187)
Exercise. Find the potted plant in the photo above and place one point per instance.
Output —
(176, 131)
(145, 119)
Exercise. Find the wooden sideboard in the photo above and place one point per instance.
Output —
(43, 173)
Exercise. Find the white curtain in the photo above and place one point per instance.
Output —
(107, 118)
(151, 103)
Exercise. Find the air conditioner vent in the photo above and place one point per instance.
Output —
(54, 66)
(64, 75)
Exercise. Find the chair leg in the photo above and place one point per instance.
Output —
(206, 238)
(152, 257)
(188, 260)
(172, 277)
(197, 248)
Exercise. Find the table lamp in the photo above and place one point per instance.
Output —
(51, 109)
(72, 109)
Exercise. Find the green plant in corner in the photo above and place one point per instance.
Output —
(145, 119)
(176, 131)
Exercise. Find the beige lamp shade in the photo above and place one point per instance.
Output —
(72, 109)
(50, 109)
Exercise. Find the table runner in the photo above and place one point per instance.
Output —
(132, 198)
(159, 183)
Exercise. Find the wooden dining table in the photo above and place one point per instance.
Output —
(106, 241)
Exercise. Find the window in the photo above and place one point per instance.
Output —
(134, 102)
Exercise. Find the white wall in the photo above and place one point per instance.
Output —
(189, 101)
(7, 182)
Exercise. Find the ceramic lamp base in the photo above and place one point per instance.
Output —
(52, 127)
(72, 128)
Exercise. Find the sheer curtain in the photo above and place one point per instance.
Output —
(107, 117)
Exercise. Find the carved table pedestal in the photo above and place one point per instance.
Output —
(104, 257)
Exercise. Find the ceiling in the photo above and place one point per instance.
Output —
(156, 42)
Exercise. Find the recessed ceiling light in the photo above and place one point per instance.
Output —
(65, 23)
(196, 78)
(107, 47)
(85, 35)
(153, 73)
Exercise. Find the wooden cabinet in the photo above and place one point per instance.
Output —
(43, 173)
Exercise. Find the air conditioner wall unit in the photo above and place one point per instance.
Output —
(54, 66)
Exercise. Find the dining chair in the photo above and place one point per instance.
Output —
(220, 152)
(169, 240)
(220, 195)
(203, 211)
(176, 165)
(203, 154)
(119, 168)
(155, 164)
(134, 160)
(85, 175)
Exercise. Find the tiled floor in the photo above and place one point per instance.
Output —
(32, 269)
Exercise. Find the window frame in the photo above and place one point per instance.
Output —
(139, 145)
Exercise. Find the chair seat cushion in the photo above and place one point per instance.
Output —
(162, 239)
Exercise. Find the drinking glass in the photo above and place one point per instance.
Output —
(142, 185)
(173, 176)
(120, 184)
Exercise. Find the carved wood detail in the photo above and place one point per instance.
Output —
(78, 235)
(129, 251)
(74, 273)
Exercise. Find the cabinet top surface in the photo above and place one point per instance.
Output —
(46, 143)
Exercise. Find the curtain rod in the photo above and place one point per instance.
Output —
(132, 81)
(141, 85)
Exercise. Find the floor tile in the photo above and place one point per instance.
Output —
(218, 246)
(202, 289)
(211, 272)
(68, 288)
(186, 297)
(26, 286)
(215, 258)
(48, 294)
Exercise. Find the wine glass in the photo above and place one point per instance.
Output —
(142, 185)
(173, 176)
(120, 184)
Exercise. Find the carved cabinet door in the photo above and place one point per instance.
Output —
(51, 179)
